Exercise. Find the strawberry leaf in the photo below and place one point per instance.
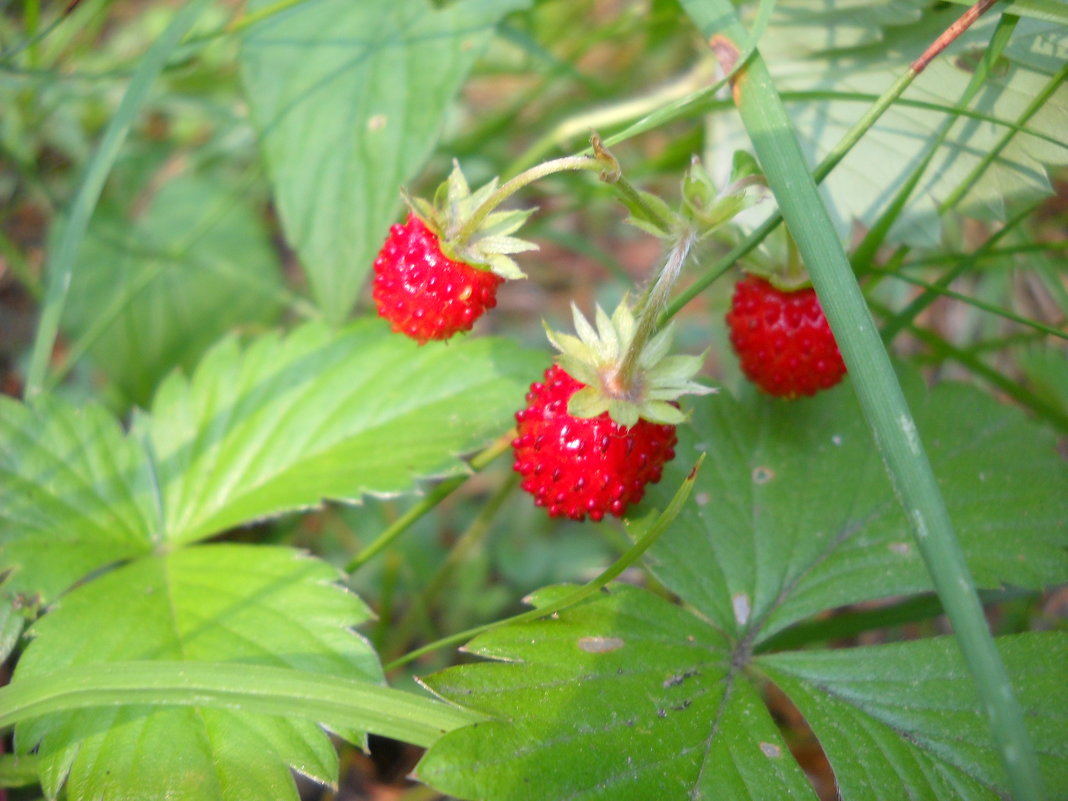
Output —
(794, 513)
(348, 99)
(626, 696)
(910, 710)
(629, 696)
(73, 495)
(233, 603)
(280, 425)
(289, 422)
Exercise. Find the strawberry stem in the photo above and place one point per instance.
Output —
(608, 166)
(652, 306)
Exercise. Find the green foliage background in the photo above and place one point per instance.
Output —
(216, 183)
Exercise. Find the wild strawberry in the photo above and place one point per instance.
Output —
(782, 339)
(439, 271)
(589, 443)
(422, 292)
(577, 466)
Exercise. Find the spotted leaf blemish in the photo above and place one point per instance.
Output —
(771, 750)
(762, 475)
(599, 645)
(742, 609)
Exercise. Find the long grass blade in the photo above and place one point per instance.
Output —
(61, 267)
(881, 399)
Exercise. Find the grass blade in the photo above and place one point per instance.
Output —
(92, 184)
(876, 385)
(331, 700)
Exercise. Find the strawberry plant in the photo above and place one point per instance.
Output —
(789, 522)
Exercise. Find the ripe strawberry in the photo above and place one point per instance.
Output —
(439, 271)
(782, 339)
(422, 292)
(591, 438)
(578, 466)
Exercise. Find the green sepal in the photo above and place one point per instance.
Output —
(658, 411)
(587, 402)
(649, 212)
(491, 245)
(710, 207)
(595, 357)
(777, 260)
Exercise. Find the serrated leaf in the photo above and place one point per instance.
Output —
(316, 415)
(348, 99)
(794, 513)
(283, 424)
(626, 696)
(73, 495)
(153, 294)
(629, 696)
(811, 46)
(255, 604)
(908, 715)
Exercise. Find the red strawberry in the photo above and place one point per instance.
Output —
(783, 340)
(439, 272)
(577, 466)
(602, 425)
(422, 292)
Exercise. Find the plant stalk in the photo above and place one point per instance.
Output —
(525, 178)
(432, 499)
(653, 306)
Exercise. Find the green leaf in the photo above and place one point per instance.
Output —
(348, 99)
(629, 696)
(234, 603)
(281, 425)
(812, 47)
(626, 696)
(794, 513)
(907, 715)
(289, 422)
(73, 495)
(153, 294)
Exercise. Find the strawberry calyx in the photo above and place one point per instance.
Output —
(467, 233)
(648, 391)
(778, 262)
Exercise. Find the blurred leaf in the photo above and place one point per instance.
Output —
(349, 99)
(626, 696)
(910, 711)
(264, 606)
(794, 513)
(1047, 371)
(629, 696)
(73, 495)
(289, 422)
(155, 292)
(811, 46)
